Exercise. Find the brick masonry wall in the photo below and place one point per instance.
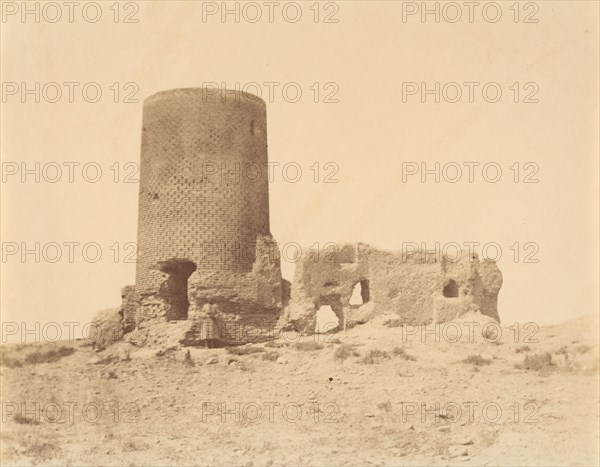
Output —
(203, 182)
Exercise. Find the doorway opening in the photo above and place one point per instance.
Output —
(175, 289)
(360, 293)
(329, 313)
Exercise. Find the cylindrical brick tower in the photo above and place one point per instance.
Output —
(203, 198)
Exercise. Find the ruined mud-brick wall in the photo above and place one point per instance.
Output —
(204, 211)
(419, 288)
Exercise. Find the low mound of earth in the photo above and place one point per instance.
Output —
(460, 393)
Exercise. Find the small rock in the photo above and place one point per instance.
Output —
(444, 429)
(211, 361)
(282, 360)
(457, 451)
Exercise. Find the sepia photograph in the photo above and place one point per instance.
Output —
(304, 233)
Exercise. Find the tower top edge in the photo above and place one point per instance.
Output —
(204, 94)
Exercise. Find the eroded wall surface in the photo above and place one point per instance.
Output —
(419, 287)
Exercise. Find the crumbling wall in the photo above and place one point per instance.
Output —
(106, 328)
(225, 308)
(244, 307)
(418, 287)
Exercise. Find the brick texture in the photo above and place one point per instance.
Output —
(203, 182)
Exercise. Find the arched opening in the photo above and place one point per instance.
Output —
(365, 293)
(360, 293)
(329, 313)
(175, 289)
(327, 320)
(451, 289)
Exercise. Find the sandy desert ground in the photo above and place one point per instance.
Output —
(377, 394)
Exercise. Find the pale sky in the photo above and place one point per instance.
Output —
(369, 133)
